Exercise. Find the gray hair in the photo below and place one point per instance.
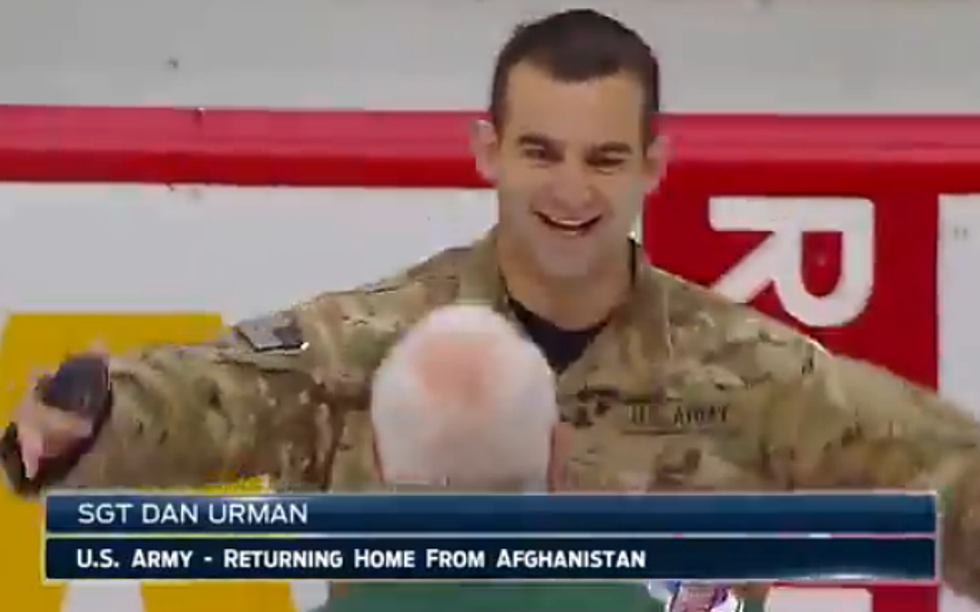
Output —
(464, 400)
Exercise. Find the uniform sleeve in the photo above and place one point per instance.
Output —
(253, 403)
(836, 422)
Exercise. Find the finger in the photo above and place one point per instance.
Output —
(60, 424)
(31, 449)
(31, 465)
(39, 439)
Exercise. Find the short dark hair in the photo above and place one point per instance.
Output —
(578, 45)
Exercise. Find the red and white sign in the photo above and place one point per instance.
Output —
(832, 224)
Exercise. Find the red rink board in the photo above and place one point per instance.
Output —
(899, 164)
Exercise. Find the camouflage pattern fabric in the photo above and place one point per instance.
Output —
(683, 390)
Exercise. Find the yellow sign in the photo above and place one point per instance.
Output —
(40, 341)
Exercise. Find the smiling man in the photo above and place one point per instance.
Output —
(662, 385)
(571, 168)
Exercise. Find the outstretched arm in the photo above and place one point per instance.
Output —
(245, 405)
(836, 422)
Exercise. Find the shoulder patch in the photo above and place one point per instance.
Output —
(277, 332)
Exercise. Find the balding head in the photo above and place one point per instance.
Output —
(463, 399)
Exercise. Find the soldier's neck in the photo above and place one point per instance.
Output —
(572, 304)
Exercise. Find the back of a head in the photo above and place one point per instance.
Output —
(574, 46)
(464, 401)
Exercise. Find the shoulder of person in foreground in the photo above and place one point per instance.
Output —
(266, 399)
(814, 420)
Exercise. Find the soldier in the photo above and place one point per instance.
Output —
(663, 385)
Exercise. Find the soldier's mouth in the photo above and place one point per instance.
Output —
(574, 227)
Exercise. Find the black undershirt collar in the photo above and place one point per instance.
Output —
(562, 347)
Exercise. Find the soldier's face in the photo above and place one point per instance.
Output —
(571, 169)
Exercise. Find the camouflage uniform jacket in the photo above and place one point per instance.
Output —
(682, 390)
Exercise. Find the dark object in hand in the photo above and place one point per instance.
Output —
(80, 386)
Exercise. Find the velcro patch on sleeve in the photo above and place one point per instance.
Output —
(277, 332)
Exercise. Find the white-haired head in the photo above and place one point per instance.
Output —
(464, 400)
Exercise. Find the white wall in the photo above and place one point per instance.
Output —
(778, 55)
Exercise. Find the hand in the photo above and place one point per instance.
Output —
(45, 432)
(62, 410)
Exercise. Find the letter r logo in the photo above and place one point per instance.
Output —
(778, 260)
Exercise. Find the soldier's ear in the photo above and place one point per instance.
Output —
(485, 146)
(655, 160)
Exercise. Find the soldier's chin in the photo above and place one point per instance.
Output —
(561, 267)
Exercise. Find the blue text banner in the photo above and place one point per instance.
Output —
(477, 558)
(795, 513)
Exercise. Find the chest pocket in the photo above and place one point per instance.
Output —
(693, 432)
(601, 455)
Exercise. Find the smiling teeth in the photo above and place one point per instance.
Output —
(569, 224)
